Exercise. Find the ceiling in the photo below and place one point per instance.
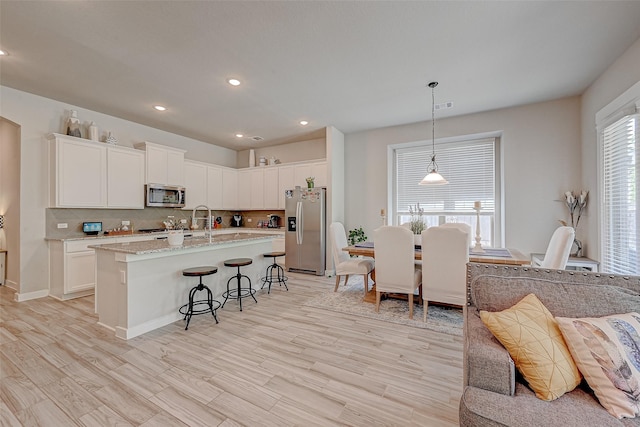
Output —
(354, 65)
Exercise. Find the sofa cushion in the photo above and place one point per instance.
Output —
(607, 351)
(531, 335)
(496, 293)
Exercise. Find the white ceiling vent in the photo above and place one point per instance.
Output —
(257, 138)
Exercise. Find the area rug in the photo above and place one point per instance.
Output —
(348, 299)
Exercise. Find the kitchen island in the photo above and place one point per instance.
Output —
(140, 287)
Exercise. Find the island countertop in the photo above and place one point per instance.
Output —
(160, 246)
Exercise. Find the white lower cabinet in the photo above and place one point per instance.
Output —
(73, 265)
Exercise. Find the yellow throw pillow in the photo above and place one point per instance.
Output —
(531, 336)
(607, 352)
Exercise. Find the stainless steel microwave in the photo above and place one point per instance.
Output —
(164, 196)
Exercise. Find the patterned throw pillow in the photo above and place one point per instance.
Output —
(607, 352)
(531, 336)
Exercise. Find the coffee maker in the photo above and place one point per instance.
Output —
(236, 220)
(274, 221)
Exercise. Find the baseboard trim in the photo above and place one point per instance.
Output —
(20, 297)
(128, 333)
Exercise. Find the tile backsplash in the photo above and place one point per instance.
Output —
(138, 218)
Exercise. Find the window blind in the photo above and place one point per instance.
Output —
(620, 207)
(469, 166)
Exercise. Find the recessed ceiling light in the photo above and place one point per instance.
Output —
(3, 53)
(234, 82)
(304, 122)
(239, 135)
(160, 108)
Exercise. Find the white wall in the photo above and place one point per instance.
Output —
(10, 198)
(541, 158)
(38, 116)
(312, 149)
(619, 77)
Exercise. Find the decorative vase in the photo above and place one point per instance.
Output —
(111, 139)
(73, 125)
(310, 184)
(417, 239)
(93, 131)
(175, 237)
(577, 245)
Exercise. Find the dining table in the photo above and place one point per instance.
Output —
(505, 256)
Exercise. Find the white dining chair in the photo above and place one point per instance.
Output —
(445, 254)
(344, 264)
(460, 226)
(395, 271)
(557, 253)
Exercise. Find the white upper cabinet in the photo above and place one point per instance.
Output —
(125, 178)
(286, 181)
(257, 188)
(78, 173)
(195, 182)
(229, 189)
(270, 188)
(214, 187)
(317, 170)
(244, 189)
(164, 165)
(87, 174)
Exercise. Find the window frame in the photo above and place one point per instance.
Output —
(624, 105)
(499, 222)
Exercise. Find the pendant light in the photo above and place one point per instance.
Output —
(433, 177)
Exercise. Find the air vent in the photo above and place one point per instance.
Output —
(257, 138)
(444, 105)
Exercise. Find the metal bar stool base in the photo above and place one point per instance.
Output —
(209, 305)
(279, 278)
(239, 293)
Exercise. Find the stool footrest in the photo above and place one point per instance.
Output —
(184, 310)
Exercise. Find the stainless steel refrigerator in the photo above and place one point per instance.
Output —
(305, 235)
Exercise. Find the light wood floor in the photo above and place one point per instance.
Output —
(277, 363)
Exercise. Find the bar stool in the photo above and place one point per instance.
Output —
(190, 309)
(240, 292)
(280, 278)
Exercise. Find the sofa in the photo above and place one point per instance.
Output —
(494, 392)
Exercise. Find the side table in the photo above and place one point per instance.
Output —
(574, 263)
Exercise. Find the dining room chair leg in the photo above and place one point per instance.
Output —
(420, 301)
(337, 283)
(346, 279)
(410, 306)
(366, 283)
(377, 301)
(425, 305)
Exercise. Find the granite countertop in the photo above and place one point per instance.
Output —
(157, 246)
(219, 231)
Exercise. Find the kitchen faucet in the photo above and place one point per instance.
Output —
(208, 219)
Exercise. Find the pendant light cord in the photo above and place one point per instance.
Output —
(433, 85)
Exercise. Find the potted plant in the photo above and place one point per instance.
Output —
(417, 223)
(310, 182)
(356, 236)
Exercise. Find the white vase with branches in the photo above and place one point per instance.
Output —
(576, 205)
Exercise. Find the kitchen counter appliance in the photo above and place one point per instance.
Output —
(274, 221)
(164, 196)
(305, 234)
